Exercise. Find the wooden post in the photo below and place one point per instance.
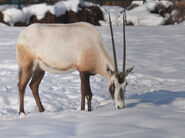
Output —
(19, 4)
(144, 1)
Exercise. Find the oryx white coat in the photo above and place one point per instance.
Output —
(58, 48)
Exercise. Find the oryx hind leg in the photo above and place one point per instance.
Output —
(24, 74)
(38, 75)
(85, 90)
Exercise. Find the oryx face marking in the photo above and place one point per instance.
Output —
(117, 91)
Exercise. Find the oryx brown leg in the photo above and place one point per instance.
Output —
(85, 90)
(82, 99)
(34, 85)
(24, 76)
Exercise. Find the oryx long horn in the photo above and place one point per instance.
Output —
(124, 44)
(113, 46)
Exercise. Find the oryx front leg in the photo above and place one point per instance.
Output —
(85, 90)
(34, 85)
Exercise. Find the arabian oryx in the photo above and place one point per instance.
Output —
(58, 48)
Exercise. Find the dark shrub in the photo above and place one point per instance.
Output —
(180, 8)
(48, 18)
(162, 10)
(1, 17)
(91, 15)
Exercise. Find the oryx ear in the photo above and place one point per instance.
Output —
(109, 70)
(129, 70)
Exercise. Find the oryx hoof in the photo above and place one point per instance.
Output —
(22, 115)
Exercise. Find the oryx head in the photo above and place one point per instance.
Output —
(118, 82)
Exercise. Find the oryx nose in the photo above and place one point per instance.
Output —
(120, 107)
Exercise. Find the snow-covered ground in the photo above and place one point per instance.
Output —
(155, 93)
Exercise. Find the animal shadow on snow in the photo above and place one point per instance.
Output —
(160, 97)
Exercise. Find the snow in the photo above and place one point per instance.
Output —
(87, 4)
(39, 10)
(140, 15)
(13, 16)
(137, 2)
(61, 7)
(152, 4)
(166, 3)
(155, 96)
(183, 23)
(72, 5)
(114, 12)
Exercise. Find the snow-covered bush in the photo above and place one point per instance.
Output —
(61, 12)
(154, 12)
(13, 15)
